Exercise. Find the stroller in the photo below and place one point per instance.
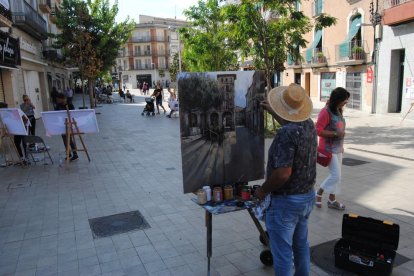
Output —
(149, 108)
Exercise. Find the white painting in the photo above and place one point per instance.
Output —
(54, 121)
(12, 119)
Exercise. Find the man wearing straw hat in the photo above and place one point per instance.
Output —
(290, 177)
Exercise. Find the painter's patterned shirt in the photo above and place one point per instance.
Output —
(295, 146)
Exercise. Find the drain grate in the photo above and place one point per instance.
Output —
(117, 224)
(353, 162)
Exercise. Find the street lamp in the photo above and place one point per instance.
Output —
(375, 19)
(174, 29)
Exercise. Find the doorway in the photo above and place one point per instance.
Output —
(307, 83)
(32, 85)
(298, 78)
(353, 85)
(396, 81)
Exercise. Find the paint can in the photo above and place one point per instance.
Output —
(228, 192)
(208, 192)
(201, 197)
(245, 193)
(217, 194)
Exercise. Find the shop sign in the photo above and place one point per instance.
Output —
(9, 50)
(27, 46)
(409, 81)
(369, 75)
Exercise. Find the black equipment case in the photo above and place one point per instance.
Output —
(367, 246)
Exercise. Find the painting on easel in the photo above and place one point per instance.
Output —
(54, 121)
(222, 127)
(12, 119)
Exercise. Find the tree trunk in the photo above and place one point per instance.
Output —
(91, 90)
(83, 91)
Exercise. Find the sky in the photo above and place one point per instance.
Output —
(158, 8)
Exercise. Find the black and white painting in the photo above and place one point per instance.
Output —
(222, 127)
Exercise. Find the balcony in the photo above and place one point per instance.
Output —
(352, 53)
(148, 39)
(26, 18)
(291, 63)
(45, 6)
(140, 54)
(398, 11)
(161, 53)
(318, 58)
(5, 17)
(147, 67)
(52, 54)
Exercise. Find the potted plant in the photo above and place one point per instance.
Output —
(320, 57)
(357, 52)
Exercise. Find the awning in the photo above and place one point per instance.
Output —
(353, 30)
(309, 51)
(10, 67)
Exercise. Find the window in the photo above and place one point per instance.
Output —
(328, 83)
(137, 50)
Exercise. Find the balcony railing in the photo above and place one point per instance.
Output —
(354, 52)
(27, 18)
(147, 67)
(149, 39)
(392, 3)
(319, 58)
(45, 6)
(140, 54)
(52, 54)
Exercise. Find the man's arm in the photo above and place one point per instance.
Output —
(277, 179)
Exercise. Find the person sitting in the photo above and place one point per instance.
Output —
(129, 96)
(122, 94)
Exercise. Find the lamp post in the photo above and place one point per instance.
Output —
(174, 29)
(375, 19)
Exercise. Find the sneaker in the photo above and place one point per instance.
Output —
(74, 158)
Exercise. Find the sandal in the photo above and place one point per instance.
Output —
(318, 203)
(335, 205)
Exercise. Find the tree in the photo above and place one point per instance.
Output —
(174, 67)
(90, 38)
(270, 42)
(205, 47)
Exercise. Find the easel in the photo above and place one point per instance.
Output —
(71, 130)
(4, 134)
(408, 112)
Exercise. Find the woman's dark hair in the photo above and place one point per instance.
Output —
(338, 95)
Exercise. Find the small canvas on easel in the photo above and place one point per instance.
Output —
(222, 127)
(12, 119)
(54, 121)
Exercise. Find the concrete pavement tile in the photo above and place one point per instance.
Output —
(136, 270)
(110, 266)
(89, 261)
(228, 270)
(156, 266)
(29, 272)
(46, 270)
(68, 266)
(69, 273)
(107, 257)
(90, 270)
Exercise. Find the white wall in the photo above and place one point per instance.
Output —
(395, 38)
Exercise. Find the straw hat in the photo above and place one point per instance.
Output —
(291, 102)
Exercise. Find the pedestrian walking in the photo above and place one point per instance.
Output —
(290, 178)
(330, 127)
(69, 94)
(28, 108)
(158, 98)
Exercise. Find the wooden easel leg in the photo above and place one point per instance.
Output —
(67, 123)
(81, 139)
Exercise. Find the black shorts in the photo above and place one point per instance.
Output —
(159, 101)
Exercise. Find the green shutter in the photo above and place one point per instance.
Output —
(309, 51)
(319, 6)
(344, 50)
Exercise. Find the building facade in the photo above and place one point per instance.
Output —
(340, 55)
(149, 52)
(35, 72)
(395, 87)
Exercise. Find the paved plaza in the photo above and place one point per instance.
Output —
(136, 165)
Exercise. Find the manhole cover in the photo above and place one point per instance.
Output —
(117, 224)
(323, 256)
(353, 162)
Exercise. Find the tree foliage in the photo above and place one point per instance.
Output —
(90, 38)
(205, 39)
(174, 67)
(269, 31)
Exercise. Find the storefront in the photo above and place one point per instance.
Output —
(9, 60)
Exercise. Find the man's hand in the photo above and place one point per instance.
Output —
(266, 106)
(259, 193)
